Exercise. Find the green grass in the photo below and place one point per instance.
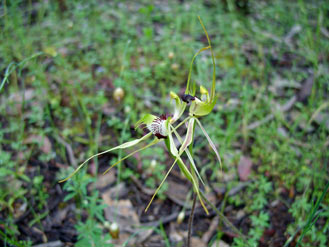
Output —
(58, 71)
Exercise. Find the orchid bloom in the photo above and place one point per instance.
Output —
(163, 129)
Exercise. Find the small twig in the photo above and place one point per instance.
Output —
(69, 150)
(212, 228)
(150, 192)
(235, 190)
(293, 31)
(139, 185)
(50, 244)
(325, 32)
(163, 220)
(190, 222)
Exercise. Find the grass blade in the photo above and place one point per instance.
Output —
(312, 218)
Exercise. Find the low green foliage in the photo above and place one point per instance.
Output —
(59, 70)
(90, 233)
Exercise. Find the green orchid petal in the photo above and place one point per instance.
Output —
(189, 136)
(176, 98)
(200, 108)
(146, 119)
(204, 94)
(122, 146)
(188, 175)
(179, 108)
(206, 104)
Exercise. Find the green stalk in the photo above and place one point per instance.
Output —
(190, 220)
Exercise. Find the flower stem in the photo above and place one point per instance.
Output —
(190, 222)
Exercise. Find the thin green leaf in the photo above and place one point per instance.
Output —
(122, 146)
(210, 142)
(12, 66)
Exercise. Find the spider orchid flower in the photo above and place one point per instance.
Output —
(163, 129)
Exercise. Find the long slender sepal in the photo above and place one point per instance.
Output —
(189, 157)
(213, 86)
(155, 141)
(172, 148)
(157, 190)
(122, 146)
(187, 90)
(210, 142)
(195, 184)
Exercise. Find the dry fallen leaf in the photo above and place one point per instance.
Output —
(219, 243)
(244, 168)
(43, 142)
(195, 241)
(104, 180)
(177, 192)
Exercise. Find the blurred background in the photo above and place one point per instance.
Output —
(75, 76)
